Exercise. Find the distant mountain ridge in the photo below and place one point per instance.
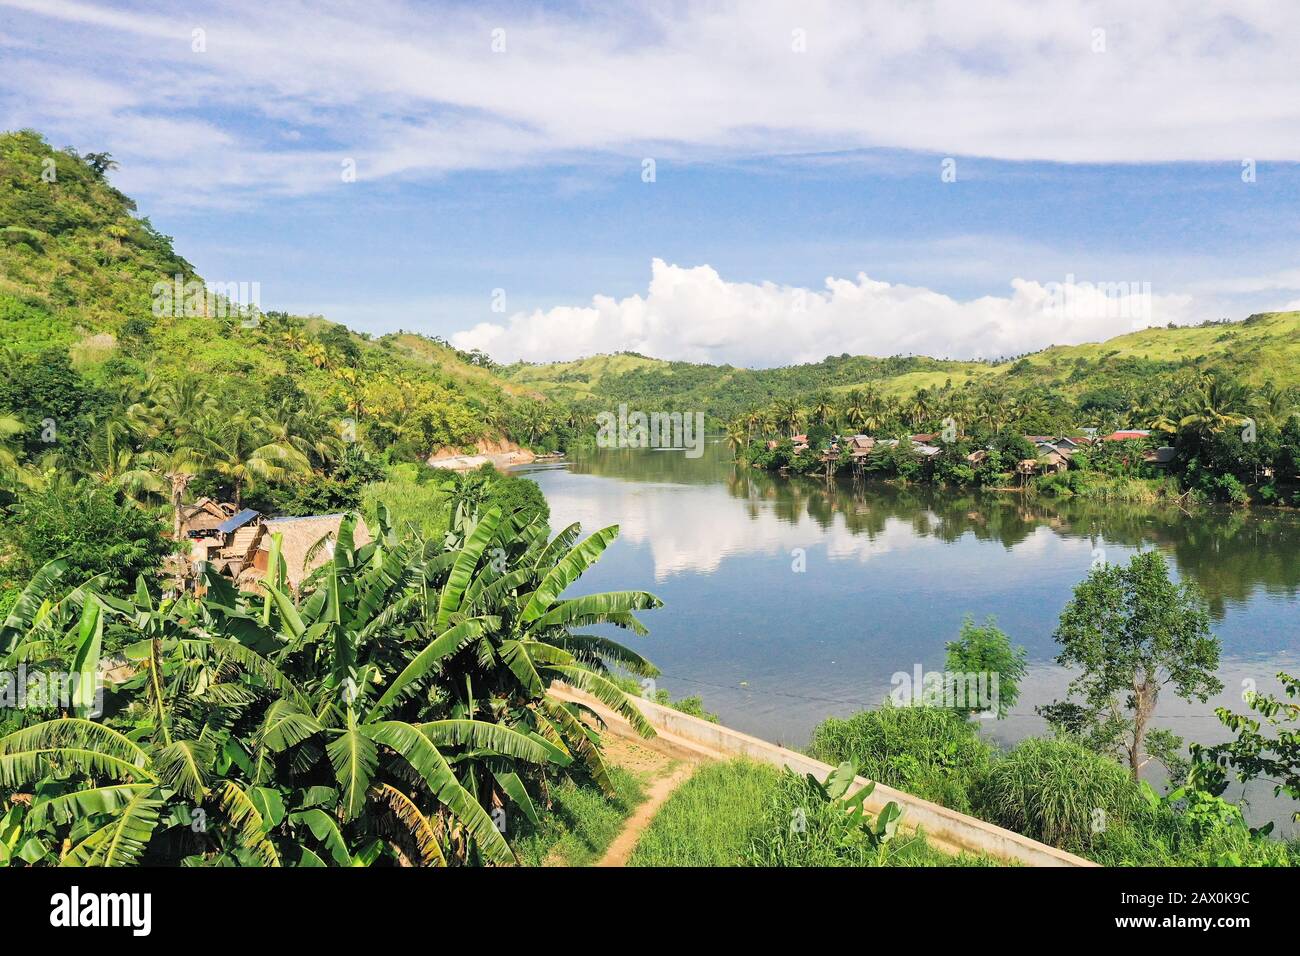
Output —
(1263, 348)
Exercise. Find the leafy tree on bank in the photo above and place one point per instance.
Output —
(1131, 631)
(1254, 753)
(987, 650)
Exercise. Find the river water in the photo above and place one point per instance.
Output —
(887, 576)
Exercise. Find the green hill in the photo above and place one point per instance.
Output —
(1260, 350)
(82, 275)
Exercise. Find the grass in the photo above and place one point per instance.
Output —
(711, 819)
(581, 822)
(740, 813)
(932, 753)
(1058, 792)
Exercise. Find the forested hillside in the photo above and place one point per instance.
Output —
(104, 324)
(128, 386)
(1262, 349)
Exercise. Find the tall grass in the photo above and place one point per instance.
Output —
(740, 813)
(802, 830)
(1059, 792)
(711, 819)
(933, 753)
(581, 822)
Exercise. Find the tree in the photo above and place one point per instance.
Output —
(386, 714)
(1218, 404)
(238, 452)
(1132, 631)
(788, 415)
(987, 651)
(100, 163)
(822, 411)
(1253, 753)
(95, 532)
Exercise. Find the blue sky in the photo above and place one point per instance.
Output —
(776, 168)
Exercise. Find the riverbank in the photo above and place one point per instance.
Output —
(498, 453)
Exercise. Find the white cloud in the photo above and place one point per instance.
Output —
(693, 314)
(415, 89)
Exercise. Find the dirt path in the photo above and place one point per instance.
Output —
(620, 851)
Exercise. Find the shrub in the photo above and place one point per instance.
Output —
(96, 533)
(987, 650)
(933, 753)
(1059, 792)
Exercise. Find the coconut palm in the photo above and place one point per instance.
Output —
(788, 415)
(238, 450)
(822, 411)
(173, 411)
(1218, 404)
(737, 436)
(109, 459)
(1273, 404)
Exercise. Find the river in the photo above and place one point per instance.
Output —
(887, 576)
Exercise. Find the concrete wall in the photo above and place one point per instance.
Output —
(945, 829)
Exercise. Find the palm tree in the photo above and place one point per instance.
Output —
(855, 408)
(737, 436)
(1218, 404)
(173, 410)
(788, 414)
(238, 450)
(919, 407)
(1273, 404)
(823, 412)
(110, 460)
(100, 163)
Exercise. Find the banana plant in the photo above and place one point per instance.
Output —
(389, 711)
(834, 790)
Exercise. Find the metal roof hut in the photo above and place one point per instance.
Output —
(299, 538)
(204, 515)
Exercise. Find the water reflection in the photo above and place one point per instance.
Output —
(1230, 554)
(889, 574)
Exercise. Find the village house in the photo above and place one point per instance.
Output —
(1127, 434)
(1161, 457)
(860, 446)
(237, 544)
(306, 543)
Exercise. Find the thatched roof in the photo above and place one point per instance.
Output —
(204, 515)
(300, 535)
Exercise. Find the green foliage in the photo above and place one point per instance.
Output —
(97, 336)
(1129, 631)
(1267, 745)
(988, 651)
(742, 813)
(1057, 791)
(930, 752)
(92, 529)
(378, 716)
(581, 821)
(711, 819)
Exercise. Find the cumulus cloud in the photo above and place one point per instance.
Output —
(694, 314)
(410, 88)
